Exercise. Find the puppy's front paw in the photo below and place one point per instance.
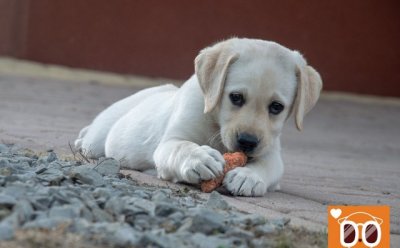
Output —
(245, 182)
(203, 163)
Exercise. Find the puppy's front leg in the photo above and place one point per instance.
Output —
(256, 177)
(185, 161)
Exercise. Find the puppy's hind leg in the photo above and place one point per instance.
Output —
(92, 143)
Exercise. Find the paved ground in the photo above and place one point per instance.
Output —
(349, 152)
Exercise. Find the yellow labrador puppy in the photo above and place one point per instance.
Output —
(239, 98)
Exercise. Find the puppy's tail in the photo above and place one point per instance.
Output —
(79, 140)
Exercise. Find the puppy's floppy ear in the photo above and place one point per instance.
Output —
(309, 85)
(211, 67)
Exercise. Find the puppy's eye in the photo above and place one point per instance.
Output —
(275, 108)
(237, 99)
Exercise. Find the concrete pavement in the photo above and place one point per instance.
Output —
(348, 153)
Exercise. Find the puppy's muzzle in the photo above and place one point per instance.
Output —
(247, 142)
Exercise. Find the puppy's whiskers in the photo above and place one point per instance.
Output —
(215, 140)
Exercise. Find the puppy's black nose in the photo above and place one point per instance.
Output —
(247, 142)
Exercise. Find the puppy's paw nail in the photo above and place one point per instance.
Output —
(244, 182)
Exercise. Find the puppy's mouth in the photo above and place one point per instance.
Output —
(251, 156)
(250, 159)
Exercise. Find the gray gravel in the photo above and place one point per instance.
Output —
(97, 202)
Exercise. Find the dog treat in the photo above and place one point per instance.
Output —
(233, 160)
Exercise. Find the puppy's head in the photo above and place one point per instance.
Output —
(252, 87)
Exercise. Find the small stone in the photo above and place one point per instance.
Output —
(24, 210)
(61, 196)
(6, 171)
(17, 189)
(20, 168)
(249, 220)
(142, 194)
(23, 159)
(101, 202)
(216, 201)
(155, 240)
(266, 243)
(129, 206)
(13, 160)
(100, 215)
(89, 200)
(115, 234)
(46, 223)
(143, 222)
(185, 239)
(7, 201)
(165, 209)
(40, 169)
(4, 212)
(123, 185)
(52, 176)
(160, 196)
(177, 217)
(12, 219)
(202, 241)
(4, 163)
(239, 233)
(280, 223)
(6, 231)
(41, 202)
(168, 225)
(4, 148)
(39, 214)
(55, 165)
(87, 176)
(124, 236)
(267, 228)
(80, 226)
(114, 205)
(187, 201)
(51, 157)
(204, 221)
(28, 153)
(143, 204)
(66, 211)
(103, 192)
(130, 211)
(107, 166)
(11, 179)
(86, 213)
(27, 176)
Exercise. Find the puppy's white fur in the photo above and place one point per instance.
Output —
(183, 131)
